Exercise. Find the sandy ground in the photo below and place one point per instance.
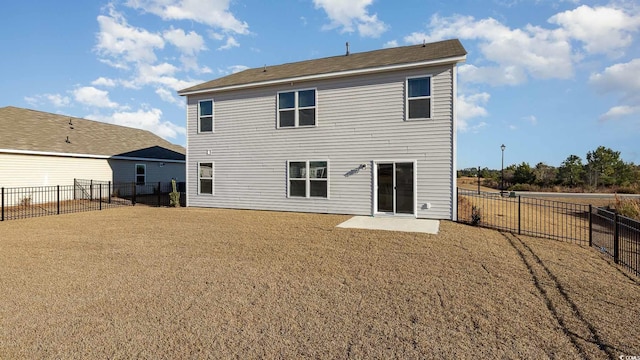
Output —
(157, 283)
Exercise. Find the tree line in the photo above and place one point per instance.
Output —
(603, 169)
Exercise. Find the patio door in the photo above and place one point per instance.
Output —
(395, 193)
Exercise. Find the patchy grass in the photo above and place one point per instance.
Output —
(142, 282)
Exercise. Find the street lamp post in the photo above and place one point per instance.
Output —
(502, 147)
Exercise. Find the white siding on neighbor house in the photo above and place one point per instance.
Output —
(36, 170)
(359, 120)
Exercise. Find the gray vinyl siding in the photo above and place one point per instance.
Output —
(124, 171)
(360, 119)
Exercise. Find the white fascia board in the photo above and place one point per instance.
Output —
(457, 59)
(87, 156)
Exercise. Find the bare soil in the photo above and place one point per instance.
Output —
(139, 282)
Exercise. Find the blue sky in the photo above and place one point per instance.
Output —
(546, 78)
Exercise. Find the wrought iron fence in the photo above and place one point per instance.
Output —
(83, 195)
(615, 235)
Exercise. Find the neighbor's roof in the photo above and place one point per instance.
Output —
(378, 59)
(41, 132)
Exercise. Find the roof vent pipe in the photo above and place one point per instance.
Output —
(424, 43)
(347, 54)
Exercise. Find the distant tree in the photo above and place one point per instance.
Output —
(626, 174)
(523, 174)
(485, 173)
(571, 172)
(545, 174)
(602, 164)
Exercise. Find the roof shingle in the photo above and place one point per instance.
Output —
(358, 61)
(31, 130)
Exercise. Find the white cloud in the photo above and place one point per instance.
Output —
(620, 111)
(237, 68)
(56, 100)
(602, 29)
(150, 119)
(532, 51)
(189, 44)
(620, 79)
(102, 81)
(89, 95)
(469, 107)
(531, 119)
(352, 15)
(125, 43)
(169, 97)
(390, 44)
(231, 43)
(493, 75)
(214, 13)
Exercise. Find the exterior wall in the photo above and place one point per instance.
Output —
(34, 170)
(124, 171)
(359, 120)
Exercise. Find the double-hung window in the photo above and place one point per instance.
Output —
(205, 116)
(297, 108)
(308, 179)
(141, 174)
(418, 100)
(205, 178)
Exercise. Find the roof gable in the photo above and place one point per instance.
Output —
(451, 50)
(37, 131)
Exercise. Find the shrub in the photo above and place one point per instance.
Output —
(174, 195)
(476, 215)
(26, 201)
(628, 207)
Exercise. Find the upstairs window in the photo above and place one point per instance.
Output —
(308, 179)
(297, 108)
(205, 116)
(418, 101)
(141, 174)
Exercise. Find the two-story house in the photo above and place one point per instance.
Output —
(369, 133)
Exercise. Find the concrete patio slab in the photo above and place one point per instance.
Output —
(392, 224)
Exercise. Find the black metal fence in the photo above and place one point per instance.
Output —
(83, 195)
(615, 235)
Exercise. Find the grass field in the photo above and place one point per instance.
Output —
(138, 282)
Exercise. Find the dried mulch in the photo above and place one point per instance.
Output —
(141, 282)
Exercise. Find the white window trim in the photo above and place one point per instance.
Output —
(135, 169)
(308, 180)
(213, 124)
(406, 97)
(296, 109)
(374, 207)
(213, 174)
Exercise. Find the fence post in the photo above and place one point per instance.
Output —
(90, 190)
(159, 194)
(616, 239)
(100, 194)
(590, 226)
(58, 197)
(458, 204)
(74, 188)
(110, 192)
(133, 199)
(2, 204)
(519, 214)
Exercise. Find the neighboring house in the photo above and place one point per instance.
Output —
(366, 133)
(41, 149)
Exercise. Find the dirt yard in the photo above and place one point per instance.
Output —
(156, 283)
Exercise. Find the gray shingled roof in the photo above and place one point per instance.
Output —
(358, 61)
(31, 130)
